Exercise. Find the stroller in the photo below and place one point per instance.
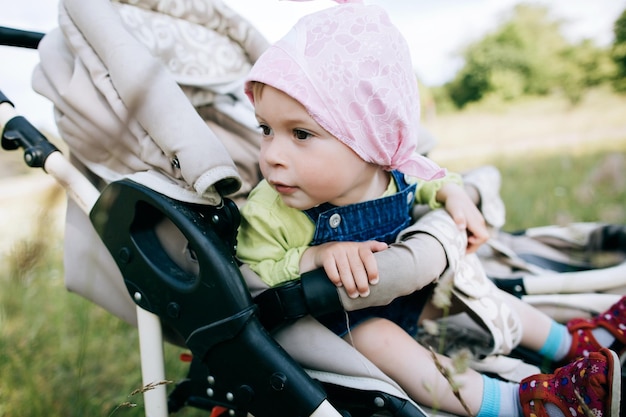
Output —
(148, 194)
(153, 213)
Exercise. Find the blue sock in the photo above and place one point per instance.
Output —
(500, 398)
(558, 343)
(490, 405)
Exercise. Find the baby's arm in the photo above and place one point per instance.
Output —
(449, 192)
(350, 265)
(421, 255)
(465, 214)
(269, 240)
(426, 249)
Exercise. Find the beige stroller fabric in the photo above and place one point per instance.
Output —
(122, 79)
(113, 72)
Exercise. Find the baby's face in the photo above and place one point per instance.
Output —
(304, 163)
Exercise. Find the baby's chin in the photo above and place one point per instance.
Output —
(298, 204)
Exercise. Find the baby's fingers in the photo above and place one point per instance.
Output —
(338, 270)
(359, 274)
(370, 266)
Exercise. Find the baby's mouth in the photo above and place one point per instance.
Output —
(284, 188)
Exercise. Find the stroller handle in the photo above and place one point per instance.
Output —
(20, 38)
(17, 132)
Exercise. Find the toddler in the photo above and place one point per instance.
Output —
(337, 102)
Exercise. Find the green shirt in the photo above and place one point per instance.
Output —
(273, 236)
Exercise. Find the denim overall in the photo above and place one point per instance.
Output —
(381, 219)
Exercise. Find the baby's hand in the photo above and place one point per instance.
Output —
(477, 232)
(350, 265)
(465, 214)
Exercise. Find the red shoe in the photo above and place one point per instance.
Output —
(590, 385)
(613, 320)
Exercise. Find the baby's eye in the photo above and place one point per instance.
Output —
(265, 130)
(301, 134)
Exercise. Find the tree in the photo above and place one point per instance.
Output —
(618, 52)
(528, 55)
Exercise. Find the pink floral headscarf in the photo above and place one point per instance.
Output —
(351, 69)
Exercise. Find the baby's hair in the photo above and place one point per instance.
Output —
(257, 88)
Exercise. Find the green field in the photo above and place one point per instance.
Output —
(62, 356)
(559, 164)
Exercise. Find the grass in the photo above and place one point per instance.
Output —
(559, 164)
(561, 189)
(63, 356)
(529, 129)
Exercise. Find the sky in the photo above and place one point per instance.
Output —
(436, 30)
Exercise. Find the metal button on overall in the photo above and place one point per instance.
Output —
(334, 220)
(378, 219)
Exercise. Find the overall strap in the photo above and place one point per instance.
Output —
(380, 219)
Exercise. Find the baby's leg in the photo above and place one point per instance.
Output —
(535, 323)
(596, 377)
(411, 365)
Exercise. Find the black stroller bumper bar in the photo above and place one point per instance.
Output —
(312, 294)
(213, 312)
(237, 364)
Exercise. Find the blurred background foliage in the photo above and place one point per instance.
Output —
(527, 55)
